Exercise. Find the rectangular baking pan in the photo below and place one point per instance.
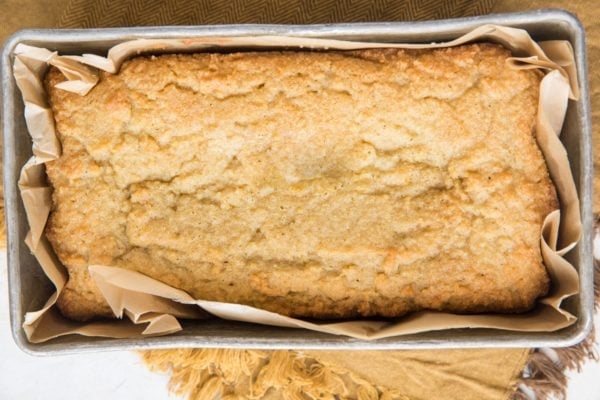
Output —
(29, 288)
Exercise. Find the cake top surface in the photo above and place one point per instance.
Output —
(327, 164)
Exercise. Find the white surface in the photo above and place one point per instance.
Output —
(122, 375)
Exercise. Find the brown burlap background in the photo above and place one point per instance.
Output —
(452, 374)
(102, 13)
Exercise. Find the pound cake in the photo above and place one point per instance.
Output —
(313, 184)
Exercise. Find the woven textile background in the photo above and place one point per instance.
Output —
(104, 13)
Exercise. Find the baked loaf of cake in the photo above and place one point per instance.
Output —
(312, 184)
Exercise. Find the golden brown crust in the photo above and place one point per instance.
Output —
(328, 185)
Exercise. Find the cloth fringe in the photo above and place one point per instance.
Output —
(544, 373)
(518, 395)
(200, 374)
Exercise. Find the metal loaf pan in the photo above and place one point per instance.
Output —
(29, 288)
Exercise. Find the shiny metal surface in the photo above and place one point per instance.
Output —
(29, 288)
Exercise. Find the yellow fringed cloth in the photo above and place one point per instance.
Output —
(254, 374)
(362, 375)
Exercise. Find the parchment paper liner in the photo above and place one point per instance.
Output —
(152, 308)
